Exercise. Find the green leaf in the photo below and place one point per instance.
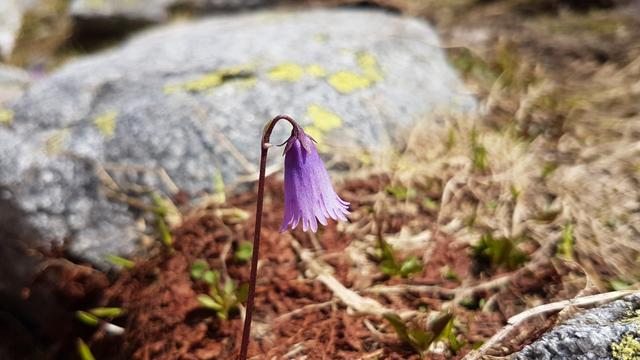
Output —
(496, 253)
(565, 247)
(198, 268)
(218, 188)
(400, 192)
(242, 293)
(229, 287)
(244, 251)
(211, 277)
(120, 261)
(161, 210)
(398, 325)
(165, 234)
(479, 155)
(449, 334)
(389, 267)
(87, 318)
(107, 312)
(449, 274)
(83, 351)
(420, 339)
(439, 324)
(617, 285)
(208, 302)
(410, 266)
(430, 204)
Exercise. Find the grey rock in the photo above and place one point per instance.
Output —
(149, 11)
(588, 335)
(116, 10)
(13, 82)
(191, 99)
(11, 12)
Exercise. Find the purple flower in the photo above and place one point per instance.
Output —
(308, 193)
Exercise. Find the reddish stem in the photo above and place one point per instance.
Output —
(246, 332)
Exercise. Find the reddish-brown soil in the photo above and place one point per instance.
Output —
(296, 315)
(165, 321)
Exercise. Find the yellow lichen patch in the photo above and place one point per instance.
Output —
(106, 123)
(347, 82)
(316, 70)
(55, 142)
(286, 72)
(627, 349)
(214, 79)
(369, 65)
(6, 117)
(323, 119)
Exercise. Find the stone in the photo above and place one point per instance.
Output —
(13, 82)
(11, 12)
(183, 105)
(606, 332)
(117, 12)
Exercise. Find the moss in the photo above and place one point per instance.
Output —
(628, 348)
(106, 123)
(286, 72)
(6, 117)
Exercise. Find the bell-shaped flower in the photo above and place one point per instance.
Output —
(309, 196)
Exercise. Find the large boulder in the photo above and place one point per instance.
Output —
(611, 332)
(183, 103)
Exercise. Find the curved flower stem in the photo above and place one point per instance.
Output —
(264, 146)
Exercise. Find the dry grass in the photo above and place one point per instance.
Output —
(554, 155)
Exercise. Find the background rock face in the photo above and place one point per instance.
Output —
(592, 335)
(150, 10)
(191, 100)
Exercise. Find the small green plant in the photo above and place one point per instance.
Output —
(94, 316)
(449, 274)
(565, 247)
(420, 338)
(389, 265)
(83, 351)
(617, 284)
(120, 261)
(219, 195)
(479, 155)
(162, 210)
(400, 192)
(491, 254)
(223, 298)
(244, 251)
